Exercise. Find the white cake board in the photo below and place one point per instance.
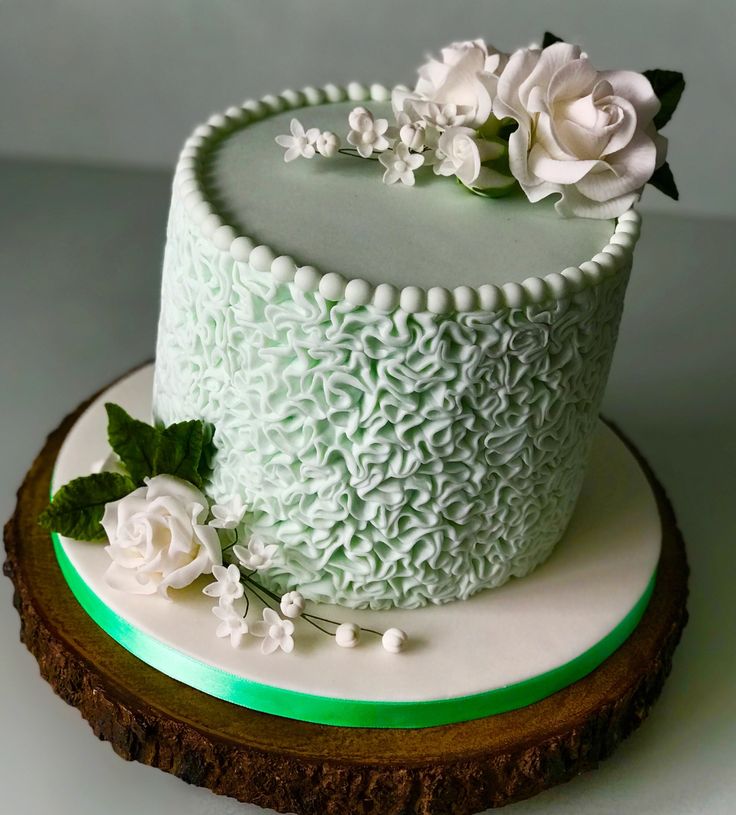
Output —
(597, 574)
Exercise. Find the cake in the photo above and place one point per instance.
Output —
(402, 382)
(383, 395)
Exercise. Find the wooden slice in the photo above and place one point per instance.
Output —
(313, 769)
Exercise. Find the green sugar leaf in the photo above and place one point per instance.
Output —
(135, 442)
(550, 39)
(208, 451)
(179, 451)
(77, 508)
(664, 181)
(668, 86)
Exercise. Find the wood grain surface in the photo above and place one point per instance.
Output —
(310, 769)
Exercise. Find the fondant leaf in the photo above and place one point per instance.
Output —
(664, 181)
(135, 442)
(668, 86)
(208, 450)
(77, 508)
(494, 184)
(550, 39)
(179, 451)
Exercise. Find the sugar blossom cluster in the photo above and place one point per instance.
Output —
(167, 533)
(236, 583)
(541, 118)
(162, 532)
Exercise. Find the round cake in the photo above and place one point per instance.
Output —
(402, 382)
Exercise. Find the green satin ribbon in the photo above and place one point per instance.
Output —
(342, 712)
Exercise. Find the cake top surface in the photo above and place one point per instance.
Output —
(335, 217)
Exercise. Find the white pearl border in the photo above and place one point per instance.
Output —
(614, 257)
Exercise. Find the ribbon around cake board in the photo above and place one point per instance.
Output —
(334, 711)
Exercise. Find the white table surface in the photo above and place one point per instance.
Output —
(80, 253)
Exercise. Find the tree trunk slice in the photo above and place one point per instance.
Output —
(312, 769)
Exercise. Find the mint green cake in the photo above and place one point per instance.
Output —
(403, 382)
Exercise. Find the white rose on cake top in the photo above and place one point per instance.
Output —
(158, 537)
(587, 135)
(456, 89)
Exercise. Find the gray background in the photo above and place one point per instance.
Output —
(99, 81)
(96, 98)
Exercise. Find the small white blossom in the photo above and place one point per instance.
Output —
(292, 604)
(276, 633)
(227, 585)
(366, 133)
(347, 635)
(327, 144)
(256, 555)
(300, 143)
(394, 640)
(400, 164)
(227, 515)
(444, 116)
(232, 624)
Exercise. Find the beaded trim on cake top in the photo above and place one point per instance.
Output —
(190, 187)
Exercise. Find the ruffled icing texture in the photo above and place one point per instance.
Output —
(396, 459)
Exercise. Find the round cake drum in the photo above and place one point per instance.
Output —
(500, 650)
(522, 686)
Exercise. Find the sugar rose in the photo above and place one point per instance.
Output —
(584, 134)
(457, 89)
(159, 538)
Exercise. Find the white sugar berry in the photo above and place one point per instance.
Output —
(394, 640)
(347, 635)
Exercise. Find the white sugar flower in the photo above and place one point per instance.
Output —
(227, 515)
(585, 135)
(327, 144)
(394, 640)
(232, 624)
(400, 164)
(300, 143)
(416, 134)
(461, 84)
(292, 604)
(276, 633)
(366, 133)
(158, 537)
(444, 116)
(227, 585)
(347, 635)
(459, 153)
(257, 554)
